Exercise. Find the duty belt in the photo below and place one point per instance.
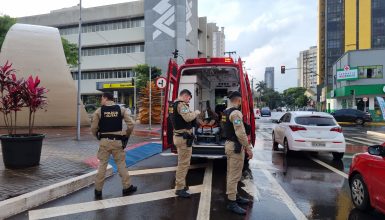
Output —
(112, 136)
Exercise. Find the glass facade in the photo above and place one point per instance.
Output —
(378, 24)
(108, 74)
(334, 36)
(119, 49)
(103, 26)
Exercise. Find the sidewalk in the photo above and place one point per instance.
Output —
(62, 158)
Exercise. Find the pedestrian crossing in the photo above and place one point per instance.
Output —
(354, 140)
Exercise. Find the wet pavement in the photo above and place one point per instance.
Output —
(304, 186)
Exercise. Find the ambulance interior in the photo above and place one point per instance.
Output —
(210, 87)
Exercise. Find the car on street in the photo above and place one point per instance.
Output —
(352, 115)
(265, 112)
(309, 131)
(367, 179)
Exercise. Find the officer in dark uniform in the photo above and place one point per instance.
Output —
(107, 127)
(235, 147)
(182, 121)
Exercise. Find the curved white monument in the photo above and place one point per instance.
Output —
(37, 50)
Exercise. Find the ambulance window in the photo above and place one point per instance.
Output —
(174, 71)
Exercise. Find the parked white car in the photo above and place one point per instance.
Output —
(309, 131)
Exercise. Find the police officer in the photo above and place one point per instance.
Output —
(235, 147)
(107, 126)
(182, 121)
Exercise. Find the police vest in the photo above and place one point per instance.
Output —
(177, 120)
(228, 127)
(110, 119)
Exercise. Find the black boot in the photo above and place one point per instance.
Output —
(242, 201)
(234, 207)
(182, 193)
(129, 190)
(98, 194)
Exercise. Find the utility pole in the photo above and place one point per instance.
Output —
(79, 73)
(149, 112)
(135, 95)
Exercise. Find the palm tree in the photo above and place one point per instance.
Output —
(261, 88)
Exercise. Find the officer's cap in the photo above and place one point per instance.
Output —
(235, 94)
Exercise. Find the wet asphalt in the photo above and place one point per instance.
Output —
(296, 187)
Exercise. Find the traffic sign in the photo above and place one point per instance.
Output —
(161, 82)
(365, 99)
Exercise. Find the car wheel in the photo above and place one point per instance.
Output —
(337, 155)
(359, 121)
(275, 144)
(359, 192)
(286, 148)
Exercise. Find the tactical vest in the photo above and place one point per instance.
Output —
(177, 120)
(110, 119)
(228, 127)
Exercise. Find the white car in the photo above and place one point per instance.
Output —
(309, 131)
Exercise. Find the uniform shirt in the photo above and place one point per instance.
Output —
(236, 118)
(187, 115)
(126, 117)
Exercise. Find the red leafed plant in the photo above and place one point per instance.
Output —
(16, 94)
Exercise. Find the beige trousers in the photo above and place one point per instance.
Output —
(184, 158)
(234, 169)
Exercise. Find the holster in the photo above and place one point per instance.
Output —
(237, 147)
(124, 142)
(189, 139)
(98, 135)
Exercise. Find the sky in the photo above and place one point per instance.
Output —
(262, 32)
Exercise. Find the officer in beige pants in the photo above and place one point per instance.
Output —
(182, 121)
(235, 147)
(107, 126)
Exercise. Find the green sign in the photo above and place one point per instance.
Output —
(347, 74)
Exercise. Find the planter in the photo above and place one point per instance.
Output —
(21, 151)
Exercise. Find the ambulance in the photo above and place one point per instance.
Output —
(210, 80)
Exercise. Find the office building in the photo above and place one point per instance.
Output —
(116, 38)
(269, 77)
(307, 69)
(346, 25)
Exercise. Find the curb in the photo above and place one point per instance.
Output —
(38, 197)
(378, 134)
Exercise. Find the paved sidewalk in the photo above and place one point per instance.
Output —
(62, 158)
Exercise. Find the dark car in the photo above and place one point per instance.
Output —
(265, 112)
(352, 115)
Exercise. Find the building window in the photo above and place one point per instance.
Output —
(119, 49)
(110, 74)
(104, 26)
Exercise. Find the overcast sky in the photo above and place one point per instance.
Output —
(263, 32)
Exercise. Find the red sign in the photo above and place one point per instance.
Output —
(161, 82)
(347, 68)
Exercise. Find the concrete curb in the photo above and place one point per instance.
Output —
(378, 134)
(38, 197)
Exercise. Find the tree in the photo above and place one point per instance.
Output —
(295, 97)
(142, 71)
(6, 23)
(261, 86)
(70, 52)
(272, 98)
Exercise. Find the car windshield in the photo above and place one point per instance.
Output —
(315, 121)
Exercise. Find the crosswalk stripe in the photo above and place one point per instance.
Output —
(382, 140)
(357, 141)
(205, 199)
(163, 169)
(368, 140)
(104, 204)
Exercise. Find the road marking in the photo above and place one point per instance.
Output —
(360, 142)
(105, 204)
(205, 199)
(251, 189)
(284, 196)
(168, 154)
(162, 170)
(364, 139)
(346, 176)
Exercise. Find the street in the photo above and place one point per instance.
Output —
(304, 186)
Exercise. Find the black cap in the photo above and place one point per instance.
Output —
(235, 94)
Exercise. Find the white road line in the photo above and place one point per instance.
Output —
(357, 141)
(104, 204)
(162, 170)
(339, 172)
(205, 199)
(251, 189)
(365, 139)
(284, 196)
(168, 154)
(377, 138)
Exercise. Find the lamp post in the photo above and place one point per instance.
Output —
(149, 112)
(79, 73)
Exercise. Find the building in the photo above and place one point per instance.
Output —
(116, 38)
(346, 25)
(358, 79)
(307, 69)
(211, 39)
(269, 77)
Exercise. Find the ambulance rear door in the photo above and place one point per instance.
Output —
(251, 105)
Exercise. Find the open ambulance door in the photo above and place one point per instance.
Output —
(251, 105)
(171, 93)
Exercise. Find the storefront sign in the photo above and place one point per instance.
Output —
(347, 73)
(381, 103)
(117, 86)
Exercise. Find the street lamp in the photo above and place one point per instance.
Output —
(79, 73)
